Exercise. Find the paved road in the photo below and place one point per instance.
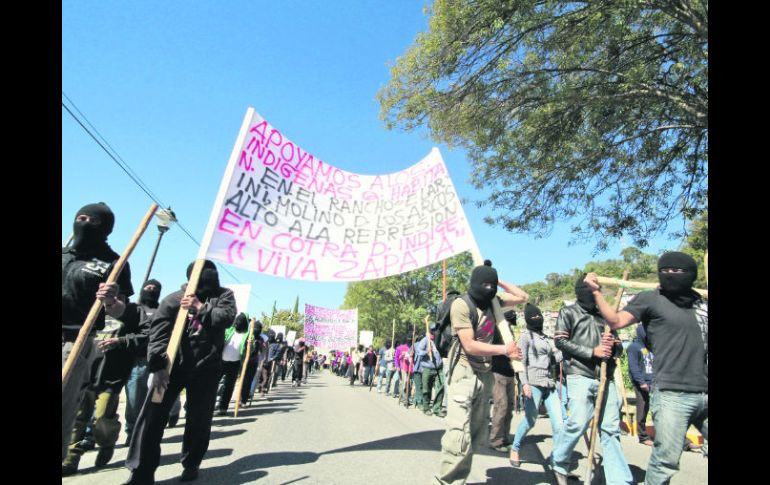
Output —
(330, 433)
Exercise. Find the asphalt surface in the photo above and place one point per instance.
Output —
(327, 432)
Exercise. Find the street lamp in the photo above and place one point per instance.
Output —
(166, 217)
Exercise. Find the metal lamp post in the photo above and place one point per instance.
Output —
(166, 217)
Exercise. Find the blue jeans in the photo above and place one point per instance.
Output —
(136, 392)
(368, 373)
(582, 398)
(552, 405)
(381, 375)
(397, 383)
(673, 412)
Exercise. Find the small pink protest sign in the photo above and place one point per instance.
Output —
(330, 329)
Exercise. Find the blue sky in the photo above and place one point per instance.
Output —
(167, 85)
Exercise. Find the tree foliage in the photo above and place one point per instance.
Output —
(593, 112)
(406, 298)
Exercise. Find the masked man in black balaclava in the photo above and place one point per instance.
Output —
(136, 386)
(197, 368)
(538, 383)
(257, 352)
(580, 336)
(232, 355)
(86, 265)
(675, 318)
(470, 376)
(267, 364)
(278, 350)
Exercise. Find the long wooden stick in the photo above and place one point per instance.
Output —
(239, 387)
(639, 285)
(179, 326)
(602, 386)
(443, 281)
(427, 336)
(77, 347)
(619, 380)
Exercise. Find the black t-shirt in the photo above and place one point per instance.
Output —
(80, 278)
(676, 337)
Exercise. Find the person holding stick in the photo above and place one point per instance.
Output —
(86, 265)
(579, 336)
(470, 379)
(234, 351)
(675, 319)
(197, 367)
(429, 360)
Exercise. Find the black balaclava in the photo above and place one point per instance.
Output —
(387, 344)
(271, 336)
(257, 328)
(533, 317)
(360, 347)
(88, 237)
(241, 323)
(585, 297)
(510, 317)
(677, 287)
(279, 337)
(480, 276)
(208, 283)
(150, 298)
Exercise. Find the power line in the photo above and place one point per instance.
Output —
(130, 172)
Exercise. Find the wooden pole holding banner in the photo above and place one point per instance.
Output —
(599, 403)
(639, 285)
(239, 387)
(427, 335)
(393, 334)
(77, 347)
(619, 380)
(443, 281)
(192, 284)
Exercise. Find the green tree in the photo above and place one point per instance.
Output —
(593, 112)
(696, 245)
(406, 298)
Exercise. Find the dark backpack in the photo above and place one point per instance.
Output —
(442, 329)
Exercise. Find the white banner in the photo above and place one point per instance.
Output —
(366, 337)
(330, 329)
(283, 212)
(242, 293)
(290, 337)
(278, 329)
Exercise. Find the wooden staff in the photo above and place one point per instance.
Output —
(602, 387)
(179, 325)
(619, 376)
(443, 281)
(427, 335)
(77, 347)
(639, 285)
(239, 387)
(272, 369)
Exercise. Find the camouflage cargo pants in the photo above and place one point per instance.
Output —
(467, 422)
